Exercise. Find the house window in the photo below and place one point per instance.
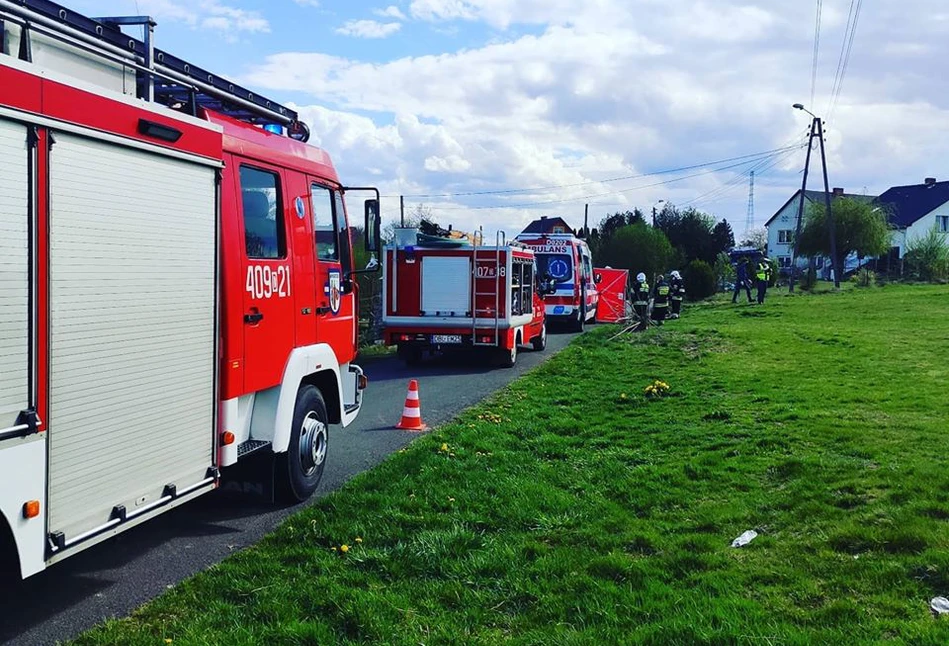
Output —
(558, 229)
(784, 261)
(942, 223)
(784, 236)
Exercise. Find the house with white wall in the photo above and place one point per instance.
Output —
(782, 225)
(914, 210)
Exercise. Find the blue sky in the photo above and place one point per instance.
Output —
(433, 97)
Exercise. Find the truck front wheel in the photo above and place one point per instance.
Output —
(301, 467)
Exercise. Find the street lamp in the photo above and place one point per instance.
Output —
(817, 131)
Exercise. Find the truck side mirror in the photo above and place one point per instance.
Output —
(373, 227)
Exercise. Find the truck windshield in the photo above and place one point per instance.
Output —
(555, 265)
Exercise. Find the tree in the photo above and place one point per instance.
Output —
(694, 233)
(723, 238)
(724, 270)
(861, 228)
(699, 280)
(613, 223)
(638, 248)
(927, 257)
(756, 238)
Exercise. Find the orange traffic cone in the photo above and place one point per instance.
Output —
(412, 413)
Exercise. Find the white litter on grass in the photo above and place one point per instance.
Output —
(745, 538)
(940, 606)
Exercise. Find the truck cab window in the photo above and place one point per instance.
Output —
(324, 223)
(263, 216)
(345, 244)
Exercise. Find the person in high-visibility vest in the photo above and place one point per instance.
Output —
(763, 277)
(640, 289)
(660, 300)
(678, 294)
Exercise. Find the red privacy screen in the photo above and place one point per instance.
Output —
(612, 307)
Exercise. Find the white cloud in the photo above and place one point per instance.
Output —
(390, 12)
(611, 88)
(368, 28)
(211, 15)
(308, 3)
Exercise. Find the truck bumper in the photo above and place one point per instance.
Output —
(355, 383)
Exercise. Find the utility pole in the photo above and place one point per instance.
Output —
(402, 211)
(816, 131)
(586, 215)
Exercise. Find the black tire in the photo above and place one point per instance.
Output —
(581, 320)
(411, 355)
(540, 342)
(508, 358)
(301, 467)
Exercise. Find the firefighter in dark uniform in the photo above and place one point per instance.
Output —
(741, 279)
(677, 286)
(660, 300)
(763, 277)
(640, 300)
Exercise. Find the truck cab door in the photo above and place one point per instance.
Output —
(335, 287)
(268, 314)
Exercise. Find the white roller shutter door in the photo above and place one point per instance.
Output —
(446, 285)
(14, 273)
(132, 297)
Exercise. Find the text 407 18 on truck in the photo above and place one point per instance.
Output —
(176, 277)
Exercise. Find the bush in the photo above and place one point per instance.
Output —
(927, 257)
(699, 280)
(809, 279)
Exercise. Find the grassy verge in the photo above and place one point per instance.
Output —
(573, 509)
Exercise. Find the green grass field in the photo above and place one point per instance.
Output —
(572, 509)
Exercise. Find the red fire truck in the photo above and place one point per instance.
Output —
(176, 278)
(566, 259)
(449, 295)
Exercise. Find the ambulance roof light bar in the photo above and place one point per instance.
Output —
(173, 81)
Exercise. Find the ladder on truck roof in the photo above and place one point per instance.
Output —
(160, 77)
(495, 258)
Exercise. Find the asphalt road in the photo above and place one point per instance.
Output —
(115, 577)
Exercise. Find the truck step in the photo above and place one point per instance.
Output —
(251, 446)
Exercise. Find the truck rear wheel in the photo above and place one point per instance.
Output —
(411, 355)
(540, 342)
(581, 320)
(301, 467)
(508, 358)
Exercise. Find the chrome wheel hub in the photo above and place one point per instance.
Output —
(313, 441)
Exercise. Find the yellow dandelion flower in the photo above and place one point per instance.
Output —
(444, 447)
(622, 396)
(344, 548)
(168, 641)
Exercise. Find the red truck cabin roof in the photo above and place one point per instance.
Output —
(248, 141)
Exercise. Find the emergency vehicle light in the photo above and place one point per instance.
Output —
(227, 438)
(275, 128)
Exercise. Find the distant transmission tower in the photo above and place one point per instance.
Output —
(750, 221)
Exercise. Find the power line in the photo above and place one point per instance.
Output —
(843, 71)
(844, 57)
(720, 192)
(587, 197)
(510, 191)
(820, 7)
